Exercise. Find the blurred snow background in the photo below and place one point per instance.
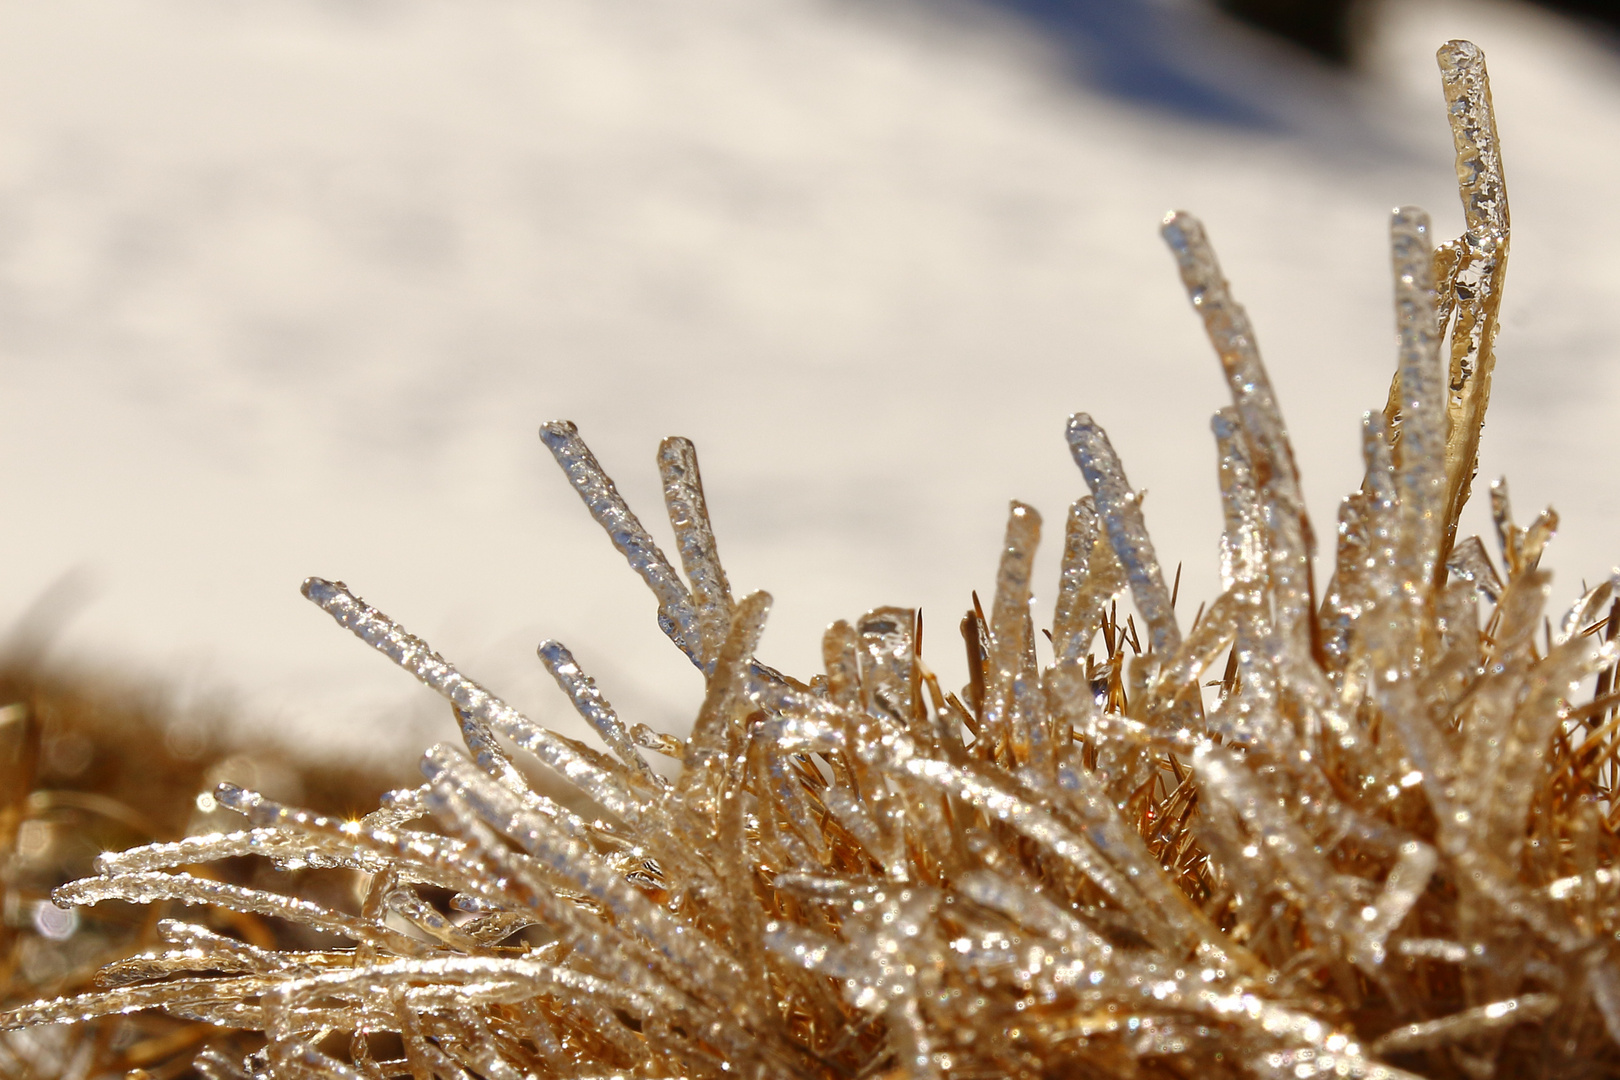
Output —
(286, 289)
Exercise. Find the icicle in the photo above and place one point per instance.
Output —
(1127, 533)
(694, 539)
(588, 700)
(676, 614)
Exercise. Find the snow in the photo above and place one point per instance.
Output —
(287, 288)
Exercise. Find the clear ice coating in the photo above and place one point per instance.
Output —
(1370, 835)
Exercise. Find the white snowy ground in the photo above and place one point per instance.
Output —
(286, 288)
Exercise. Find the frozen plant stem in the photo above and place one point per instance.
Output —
(1373, 836)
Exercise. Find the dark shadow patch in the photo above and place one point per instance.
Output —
(1134, 50)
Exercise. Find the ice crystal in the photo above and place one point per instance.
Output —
(1378, 842)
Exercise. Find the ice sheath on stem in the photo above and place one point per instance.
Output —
(1372, 836)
